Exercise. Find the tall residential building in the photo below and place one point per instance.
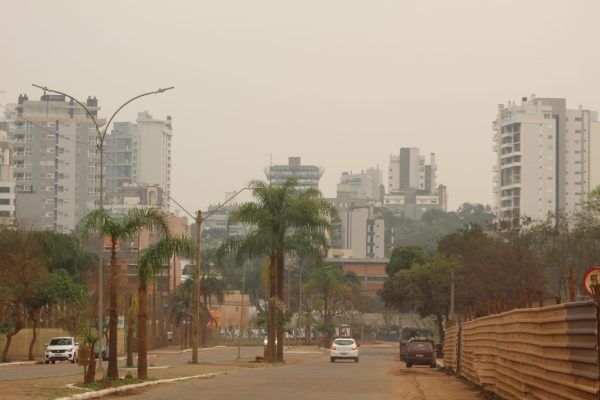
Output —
(408, 169)
(55, 162)
(543, 158)
(307, 176)
(140, 153)
(7, 183)
(362, 232)
(365, 185)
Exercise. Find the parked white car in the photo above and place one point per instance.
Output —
(61, 348)
(344, 348)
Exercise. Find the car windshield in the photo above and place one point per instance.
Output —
(344, 342)
(419, 346)
(61, 342)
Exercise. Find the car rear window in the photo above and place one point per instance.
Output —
(344, 342)
(420, 346)
(61, 342)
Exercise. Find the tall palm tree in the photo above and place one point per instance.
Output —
(284, 220)
(182, 306)
(118, 230)
(152, 260)
(211, 288)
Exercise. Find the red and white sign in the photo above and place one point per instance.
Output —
(591, 277)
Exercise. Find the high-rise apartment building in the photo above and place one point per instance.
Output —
(7, 183)
(307, 176)
(365, 185)
(55, 162)
(140, 153)
(543, 158)
(408, 169)
(362, 232)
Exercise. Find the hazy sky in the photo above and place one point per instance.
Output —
(340, 83)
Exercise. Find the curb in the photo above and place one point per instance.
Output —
(19, 363)
(107, 392)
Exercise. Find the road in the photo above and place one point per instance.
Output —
(379, 375)
(158, 358)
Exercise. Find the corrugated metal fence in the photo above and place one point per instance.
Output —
(534, 353)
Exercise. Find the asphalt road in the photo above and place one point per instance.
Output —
(379, 375)
(161, 357)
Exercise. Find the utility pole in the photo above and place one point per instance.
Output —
(197, 277)
(242, 309)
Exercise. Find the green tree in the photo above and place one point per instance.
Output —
(404, 258)
(22, 271)
(53, 288)
(182, 306)
(118, 230)
(284, 220)
(333, 292)
(152, 260)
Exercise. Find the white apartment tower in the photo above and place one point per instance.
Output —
(140, 153)
(365, 185)
(543, 158)
(7, 183)
(55, 162)
(408, 169)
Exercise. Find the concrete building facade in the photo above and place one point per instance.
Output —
(7, 183)
(543, 158)
(306, 176)
(55, 162)
(140, 153)
(364, 185)
(408, 169)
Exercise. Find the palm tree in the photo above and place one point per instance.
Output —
(284, 220)
(182, 306)
(152, 260)
(211, 287)
(118, 230)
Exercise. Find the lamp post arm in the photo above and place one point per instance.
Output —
(225, 202)
(88, 112)
(129, 101)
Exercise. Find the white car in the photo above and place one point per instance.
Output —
(344, 348)
(61, 348)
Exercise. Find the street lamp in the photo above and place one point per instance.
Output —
(199, 219)
(100, 145)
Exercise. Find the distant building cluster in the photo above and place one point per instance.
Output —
(547, 158)
(50, 171)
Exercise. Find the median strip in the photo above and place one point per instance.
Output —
(107, 392)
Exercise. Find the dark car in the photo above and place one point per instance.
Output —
(420, 353)
(408, 334)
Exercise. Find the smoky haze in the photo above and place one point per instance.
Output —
(340, 83)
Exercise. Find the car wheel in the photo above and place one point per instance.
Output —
(356, 359)
(53, 361)
(332, 359)
(408, 365)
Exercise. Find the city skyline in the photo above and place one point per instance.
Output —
(418, 77)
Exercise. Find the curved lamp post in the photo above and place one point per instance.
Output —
(100, 145)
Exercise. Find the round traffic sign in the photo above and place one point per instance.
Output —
(590, 278)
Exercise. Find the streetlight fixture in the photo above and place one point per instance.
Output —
(199, 219)
(100, 145)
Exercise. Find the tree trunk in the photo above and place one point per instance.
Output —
(90, 374)
(34, 337)
(142, 367)
(280, 309)
(271, 312)
(130, 328)
(11, 333)
(113, 370)
(439, 321)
